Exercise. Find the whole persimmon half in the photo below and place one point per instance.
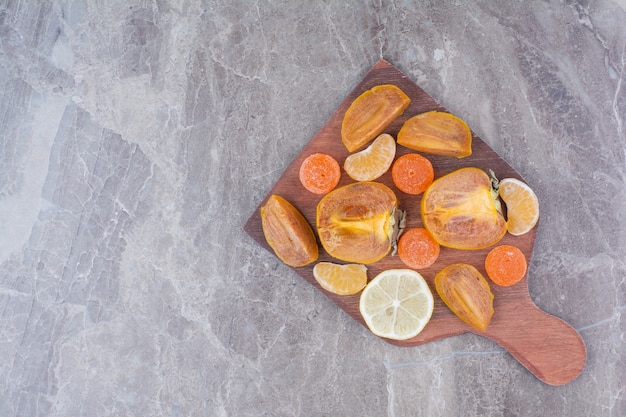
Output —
(462, 211)
(357, 222)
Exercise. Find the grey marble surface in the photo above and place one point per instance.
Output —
(137, 138)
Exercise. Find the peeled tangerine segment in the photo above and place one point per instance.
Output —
(370, 113)
(340, 279)
(522, 206)
(373, 161)
(466, 292)
(437, 133)
(356, 222)
(461, 210)
(288, 233)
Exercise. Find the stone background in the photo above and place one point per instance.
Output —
(137, 137)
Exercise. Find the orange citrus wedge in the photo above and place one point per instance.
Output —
(373, 161)
(340, 279)
(522, 206)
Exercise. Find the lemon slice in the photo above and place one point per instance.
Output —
(397, 304)
(522, 206)
(340, 279)
(373, 161)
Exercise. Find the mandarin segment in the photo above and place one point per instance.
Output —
(522, 206)
(339, 279)
(373, 161)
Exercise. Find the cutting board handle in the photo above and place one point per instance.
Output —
(547, 346)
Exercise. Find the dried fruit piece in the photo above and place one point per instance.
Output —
(437, 133)
(340, 279)
(505, 265)
(522, 206)
(412, 173)
(370, 113)
(288, 233)
(466, 292)
(397, 304)
(461, 210)
(417, 248)
(357, 222)
(320, 173)
(373, 161)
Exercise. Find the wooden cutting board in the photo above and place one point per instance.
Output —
(547, 346)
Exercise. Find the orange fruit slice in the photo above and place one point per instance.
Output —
(373, 161)
(522, 206)
(397, 304)
(340, 279)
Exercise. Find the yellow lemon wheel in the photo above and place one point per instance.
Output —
(397, 304)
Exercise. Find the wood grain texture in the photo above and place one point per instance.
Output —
(547, 346)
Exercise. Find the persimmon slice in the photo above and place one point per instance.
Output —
(437, 133)
(288, 233)
(466, 292)
(370, 113)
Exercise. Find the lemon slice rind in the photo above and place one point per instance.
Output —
(397, 304)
